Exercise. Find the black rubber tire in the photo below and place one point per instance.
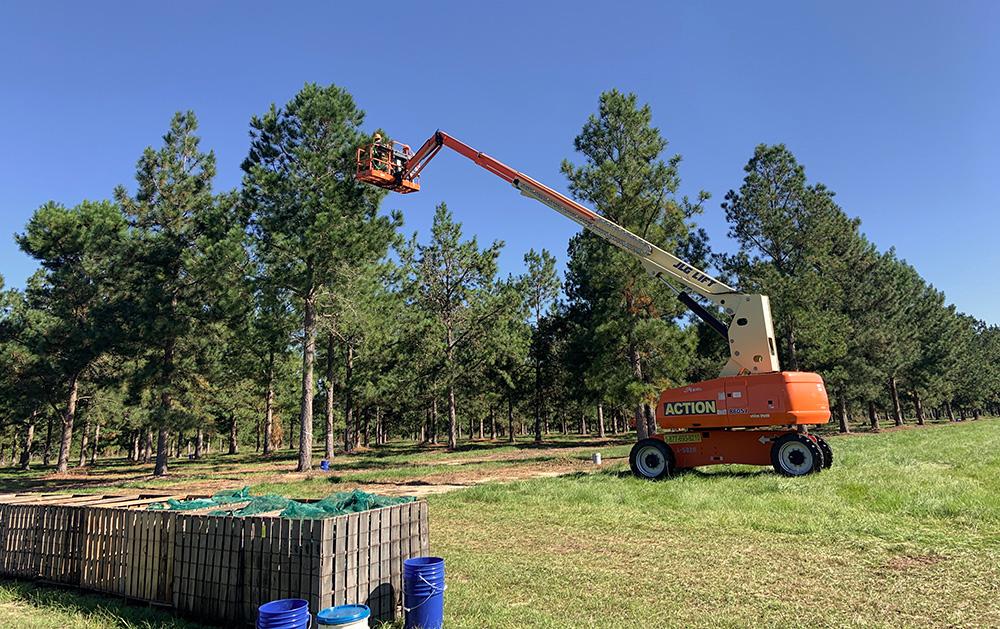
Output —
(805, 457)
(651, 459)
(827, 452)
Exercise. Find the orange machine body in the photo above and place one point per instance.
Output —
(725, 420)
(693, 448)
(784, 398)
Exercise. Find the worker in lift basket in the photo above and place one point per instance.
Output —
(384, 155)
(381, 154)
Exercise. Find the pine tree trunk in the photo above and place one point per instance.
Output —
(640, 420)
(97, 444)
(166, 402)
(47, 455)
(349, 400)
(951, 413)
(452, 410)
(434, 421)
(975, 413)
(133, 453)
(83, 445)
(583, 423)
(29, 439)
(563, 423)
(367, 432)
(650, 420)
(452, 418)
(306, 406)
(918, 408)
(162, 443)
(234, 444)
(600, 421)
(873, 417)
(328, 443)
(62, 464)
(147, 453)
(199, 443)
(897, 408)
(269, 406)
(493, 422)
(538, 401)
(842, 415)
(510, 416)
(792, 350)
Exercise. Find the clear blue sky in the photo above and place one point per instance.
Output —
(894, 105)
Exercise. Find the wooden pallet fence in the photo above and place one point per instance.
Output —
(215, 567)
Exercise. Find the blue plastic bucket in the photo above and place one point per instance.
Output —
(423, 592)
(288, 613)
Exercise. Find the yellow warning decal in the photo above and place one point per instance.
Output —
(682, 437)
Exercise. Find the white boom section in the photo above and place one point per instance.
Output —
(751, 333)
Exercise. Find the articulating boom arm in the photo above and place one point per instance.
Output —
(750, 332)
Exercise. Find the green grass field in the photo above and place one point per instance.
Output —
(904, 530)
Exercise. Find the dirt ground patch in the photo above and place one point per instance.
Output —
(399, 470)
(912, 563)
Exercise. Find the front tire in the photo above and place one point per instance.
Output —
(796, 455)
(827, 452)
(651, 459)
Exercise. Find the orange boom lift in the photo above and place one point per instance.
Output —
(754, 413)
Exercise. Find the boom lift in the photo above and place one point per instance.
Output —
(753, 413)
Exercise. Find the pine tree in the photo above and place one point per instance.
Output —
(541, 286)
(183, 249)
(313, 223)
(629, 315)
(76, 320)
(452, 279)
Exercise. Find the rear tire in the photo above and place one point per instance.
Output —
(651, 459)
(827, 452)
(796, 455)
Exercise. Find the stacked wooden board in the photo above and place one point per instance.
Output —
(215, 567)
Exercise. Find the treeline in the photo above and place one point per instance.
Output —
(295, 312)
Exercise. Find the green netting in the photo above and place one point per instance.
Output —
(257, 505)
(339, 504)
(222, 498)
(333, 505)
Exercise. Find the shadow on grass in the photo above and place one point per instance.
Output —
(718, 472)
(68, 605)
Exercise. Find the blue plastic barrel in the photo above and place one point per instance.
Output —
(288, 613)
(423, 592)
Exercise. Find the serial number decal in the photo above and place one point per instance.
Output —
(700, 407)
(682, 437)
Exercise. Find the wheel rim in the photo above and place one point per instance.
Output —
(650, 462)
(795, 458)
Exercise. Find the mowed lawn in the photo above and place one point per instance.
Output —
(904, 530)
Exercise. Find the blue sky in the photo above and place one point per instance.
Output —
(894, 105)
